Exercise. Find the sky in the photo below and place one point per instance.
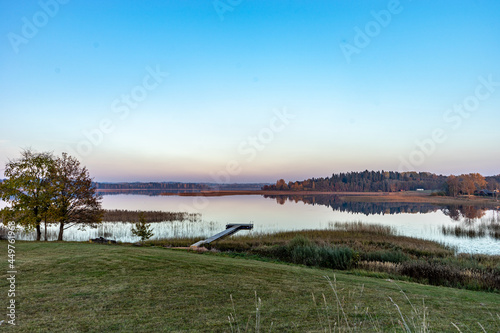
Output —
(252, 91)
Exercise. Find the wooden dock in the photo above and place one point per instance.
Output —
(230, 230)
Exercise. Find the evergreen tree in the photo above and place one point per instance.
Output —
(142, 229)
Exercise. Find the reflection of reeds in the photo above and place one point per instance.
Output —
(486, 226)
(459, 231)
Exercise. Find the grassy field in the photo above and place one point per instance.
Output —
(75, 287)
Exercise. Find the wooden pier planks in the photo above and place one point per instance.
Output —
(230, 229)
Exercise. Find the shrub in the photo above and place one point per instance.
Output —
(437, 273)
(385, 256)
(301, 250)
(432, 273)
(142, 229)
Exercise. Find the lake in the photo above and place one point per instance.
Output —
(283, 213)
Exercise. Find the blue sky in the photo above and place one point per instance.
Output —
(244, 91)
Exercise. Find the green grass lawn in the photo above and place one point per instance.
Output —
(104, 288)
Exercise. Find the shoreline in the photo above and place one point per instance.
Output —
(406, 197)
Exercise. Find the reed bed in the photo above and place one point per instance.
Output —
(119, 231)
(120, 215)
(367, 238)
(117, 225)
(359, 226)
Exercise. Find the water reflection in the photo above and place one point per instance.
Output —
(336, 203)
(366, 208)
(461, 212)
(472, 222)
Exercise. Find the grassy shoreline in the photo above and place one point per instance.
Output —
(104, 288)
(375, 249)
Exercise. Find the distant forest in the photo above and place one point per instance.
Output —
(373, 181)
(366, 181)
(146, 188)
(151, 186)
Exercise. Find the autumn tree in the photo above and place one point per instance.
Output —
(281, 185)
(471, 182)
(75, 200)
(467, 185)
(479, 180)
(452, 186)
(27, 189)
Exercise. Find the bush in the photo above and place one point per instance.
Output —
(301, 250)
(440, 274)
(431, 273)
(386, 256)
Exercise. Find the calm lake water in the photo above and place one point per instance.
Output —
(284, 214)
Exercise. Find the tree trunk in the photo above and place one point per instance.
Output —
(45, 229)
(38, 222)
(38, 232)
(61, 230)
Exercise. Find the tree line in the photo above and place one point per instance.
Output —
(43, 188)
(467, 184)
(390, 181)
(151, 186)
(366, 181)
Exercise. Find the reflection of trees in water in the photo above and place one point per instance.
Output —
(456, 212)
(470, 213)
(367, 208)
(472, 222)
